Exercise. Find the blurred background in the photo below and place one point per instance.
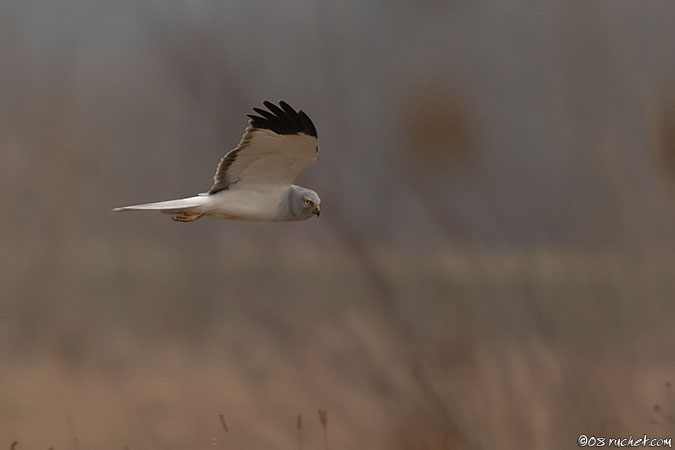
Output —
(494, 266)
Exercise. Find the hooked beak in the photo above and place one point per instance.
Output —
(317, 210)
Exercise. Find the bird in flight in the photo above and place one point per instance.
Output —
(254, 180)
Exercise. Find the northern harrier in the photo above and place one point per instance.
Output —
(254, 181)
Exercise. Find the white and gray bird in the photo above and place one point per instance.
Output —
(254, 181)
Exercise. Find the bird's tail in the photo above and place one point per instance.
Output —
(182, 205)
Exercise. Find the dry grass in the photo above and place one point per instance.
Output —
(508, 348)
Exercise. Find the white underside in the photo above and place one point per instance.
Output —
(238, 202)
(250, 202)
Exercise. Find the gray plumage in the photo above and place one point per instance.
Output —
(295, 207)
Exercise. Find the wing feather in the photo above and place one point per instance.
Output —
(265, 115)
(277, 145)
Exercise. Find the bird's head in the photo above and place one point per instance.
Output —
(304, 203)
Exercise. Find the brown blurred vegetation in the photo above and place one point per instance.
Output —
(493, 267)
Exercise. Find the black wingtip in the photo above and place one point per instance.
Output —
(282, 119)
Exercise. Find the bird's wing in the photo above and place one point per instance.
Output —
(277, 145)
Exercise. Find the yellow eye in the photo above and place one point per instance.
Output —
(307, 202)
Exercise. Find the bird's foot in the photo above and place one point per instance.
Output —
(183, 217)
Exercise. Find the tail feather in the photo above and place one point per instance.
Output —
(190, 204)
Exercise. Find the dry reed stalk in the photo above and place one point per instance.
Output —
(669, 397)
(323, 418)
(298, 426)
(223, 424)
(665, 412)
(71, 425)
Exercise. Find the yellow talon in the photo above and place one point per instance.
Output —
(186, 217)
